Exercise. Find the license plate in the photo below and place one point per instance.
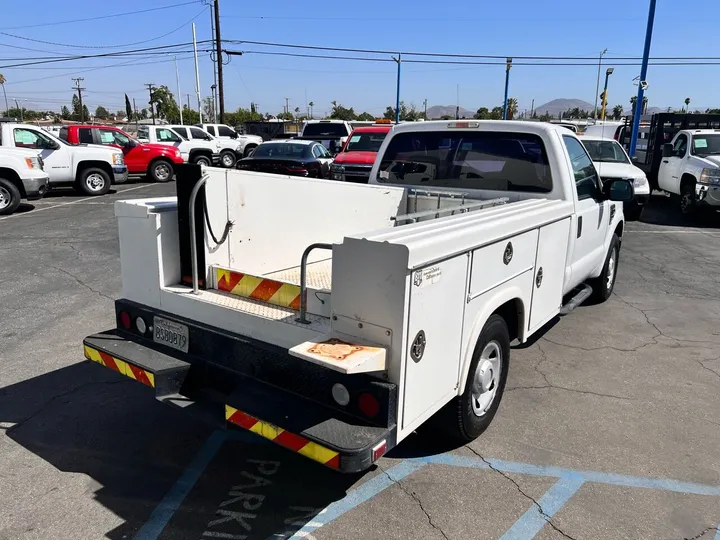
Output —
(170, 333)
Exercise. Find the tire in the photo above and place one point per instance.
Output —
(249, 149)
(93, 181)
(9, 197)
(604, 284)
(160, 170)
(228, 159)
(470, 414)
(202, 160)
(633, 214)
(687, 199)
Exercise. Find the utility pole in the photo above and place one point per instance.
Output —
(597, 86)
(152, 110)
(507, 85)
(78, 80)
(197, 74)
(212, 34)
(642, 83)
(218, 48)
(397, 96)
(188, 101)
(213, 88)
(136, 115)
(425, 106)
(457, 102)
(177, 79)
(532, 108)
(287, 106)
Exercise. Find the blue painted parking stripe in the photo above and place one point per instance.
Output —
(717, 536)
(357, 496)
(532, 521)
(171, 502)
(665, 484)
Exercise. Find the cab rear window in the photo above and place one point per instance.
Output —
(501, 161)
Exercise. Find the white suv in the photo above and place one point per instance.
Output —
(228, 148)
(246, 143)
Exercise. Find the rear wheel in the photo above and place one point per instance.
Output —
(202, 160)
(93, 181)
(9, 197)
(160, 171)
(228, 159)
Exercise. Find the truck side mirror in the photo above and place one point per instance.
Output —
(618, 190)
(667, 150)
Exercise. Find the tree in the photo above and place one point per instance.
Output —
(165, 105)
(617, 112)
(512, 108)
(65, 113)
(365, 117)
(285, 116)
(75, 108)
(102, 113)
(496, 113)
(407, 114)
(2, 83)
(687, 104)
(143, 113)
(86, 113)
(342, 113)
(190, 116)
(128, 108)
(482, 114)
(208, 108)
(311, 105)
(242, 115)
(447, 117)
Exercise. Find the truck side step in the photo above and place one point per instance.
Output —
(582, 293)
(152, 368)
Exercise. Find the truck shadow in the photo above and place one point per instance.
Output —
(663, 210)
(89, 420)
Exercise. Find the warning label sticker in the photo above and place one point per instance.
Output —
(427, 276)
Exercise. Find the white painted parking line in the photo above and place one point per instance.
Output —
(675, 232)
(33, 212)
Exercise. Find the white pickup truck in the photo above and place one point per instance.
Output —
(332, 134)
(91, 168)
(690, 169)
(245, 143)
(21, 177)
(334, 318)
(200, 152)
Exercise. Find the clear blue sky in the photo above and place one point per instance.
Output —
(507, 28)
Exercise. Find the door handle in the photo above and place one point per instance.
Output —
(579, 231)
(665, 161)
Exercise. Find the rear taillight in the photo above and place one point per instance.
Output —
(368, 405)
(125, 320)
(379, 451)
(296, 170)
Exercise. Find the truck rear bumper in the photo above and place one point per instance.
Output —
(297, 418)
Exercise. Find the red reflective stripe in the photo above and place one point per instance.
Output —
(140, 375)
(243, 420)
(266, 290)
(291, 441)
(295, 304)
(228, 281)
(109, 361)
(334, 463)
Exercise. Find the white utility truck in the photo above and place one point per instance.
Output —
(334, 318)
(91, 168)
(21, 177)
(198, 151)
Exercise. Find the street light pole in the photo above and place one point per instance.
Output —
(597, 85)
(642, 83)
(604, 94)
(507, 84)
(397, 97)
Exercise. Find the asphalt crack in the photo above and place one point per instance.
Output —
(702, 533)
(547, 518)
(711, 370)
(82, 283)
(416, 498)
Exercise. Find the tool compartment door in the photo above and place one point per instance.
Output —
(549, 273)
(437, 301)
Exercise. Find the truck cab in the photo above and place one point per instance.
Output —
(155, 160)
(690, 169)
(246, 143)
(198, 151)
(90, 168)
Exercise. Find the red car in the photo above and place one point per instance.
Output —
(356, 158)
(155, 160)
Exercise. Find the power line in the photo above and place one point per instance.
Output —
(55, 23)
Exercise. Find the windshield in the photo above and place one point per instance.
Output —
(706, 145)
(365, 142)
(501, 161)
(282, 150)
(322, 129)
(606, 151)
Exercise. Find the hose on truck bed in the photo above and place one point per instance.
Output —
(226, 231)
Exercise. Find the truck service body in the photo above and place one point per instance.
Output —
(350, 314)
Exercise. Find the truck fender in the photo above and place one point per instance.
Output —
(506, 301)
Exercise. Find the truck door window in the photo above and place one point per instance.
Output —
(198, 133)
(210, 130)
(85, 136)
(586, 178)
(165, 135)
(224, 131)
(468, 160)
(110, 136)
(182, 132)
(680, 146)
(26, 138)
(143, 133)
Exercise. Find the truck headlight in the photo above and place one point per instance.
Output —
(118, 159)
(639, 181)
(337, 172)
(710, 176)
(33, 163)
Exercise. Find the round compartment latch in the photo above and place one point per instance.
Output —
(508, 254)
(538, 277)
(417, 349)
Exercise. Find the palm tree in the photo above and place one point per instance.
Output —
(311, 106)
(512, 108)
(687, 104)
(2, 82)
(297, 112)
(617, 112)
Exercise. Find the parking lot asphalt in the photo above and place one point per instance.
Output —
(609, 428)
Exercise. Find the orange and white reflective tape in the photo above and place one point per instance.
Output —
(271, 291)
(122, 367)
(284, 438)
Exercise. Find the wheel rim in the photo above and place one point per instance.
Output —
(95, 182)
(486, 378)
(611, 270)
(4, 198)
(162, 171)
(203, 161)
(228, 160)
